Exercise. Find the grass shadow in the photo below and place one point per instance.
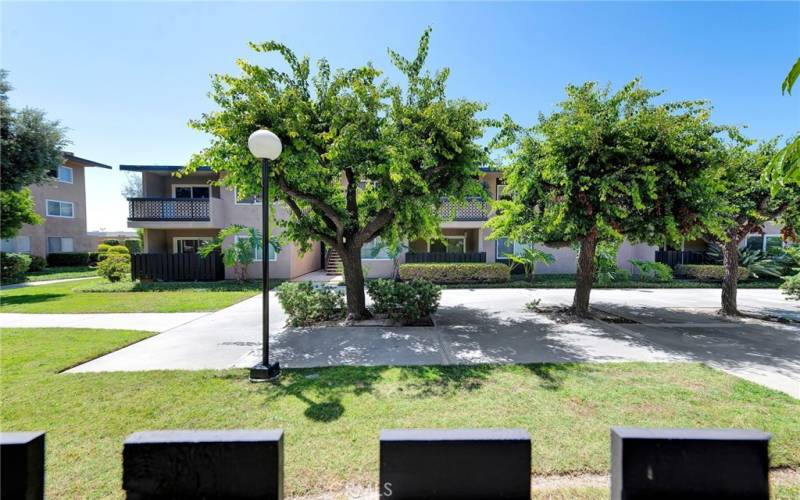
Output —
(32, 298)
(440, 380)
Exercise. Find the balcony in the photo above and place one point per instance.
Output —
(174, 212)
(474, 210)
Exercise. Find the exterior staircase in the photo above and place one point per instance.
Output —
(333, 263)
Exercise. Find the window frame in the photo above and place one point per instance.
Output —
(463, 238)
(71, 174)
(47, 209)
(191, 186)
(61, 244)
(175, 240)
(15, 240)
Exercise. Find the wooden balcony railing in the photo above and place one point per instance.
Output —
(474, 210)
(169, 209)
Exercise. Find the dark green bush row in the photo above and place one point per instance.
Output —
(706, 272)
(37, 264)
(406, 302)
(459, 272)
(305, 305)
(67, 259)
(13, 267)
(134, 246)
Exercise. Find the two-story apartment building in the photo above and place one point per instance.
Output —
(178, 214)
(61, 201)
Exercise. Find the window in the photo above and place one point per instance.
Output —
(375, 250)
(259, 251)
(20, 244)
(504, 246)
(57, 244)
(453, 244)
(771, 244)
(250, 200)
(500, 189)
(57, 208)
(64, 174)
(191, 192)
(189, 244)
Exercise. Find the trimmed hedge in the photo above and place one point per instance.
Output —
(67, 259)
(37, 264)
(406, 302)
(456, 272)
(134, 246)
(13, 267)
(707, 272)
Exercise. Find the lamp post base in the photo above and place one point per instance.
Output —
(265, 373)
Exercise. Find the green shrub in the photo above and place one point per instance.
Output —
(134, 246)
(791, 286)
(13, 267)
(404, 301)
(706, 272)
(111, 242)
(119, 249)
(103, 248)
(305, 305)
(37, 264)
(94, 257)
(657, 272)
(456, 272)
(68, 259)
(115, 267)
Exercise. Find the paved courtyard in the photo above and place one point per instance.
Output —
(492, 326)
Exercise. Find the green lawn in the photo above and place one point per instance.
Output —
(60, 273)
(79, 297)
(332, 416)
(568, 281)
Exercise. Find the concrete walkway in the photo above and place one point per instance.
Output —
(46, 282)
(492, 326)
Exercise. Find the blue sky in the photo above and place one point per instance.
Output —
(126, 77)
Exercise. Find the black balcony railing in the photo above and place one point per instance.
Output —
(169, 209)
(473, 210)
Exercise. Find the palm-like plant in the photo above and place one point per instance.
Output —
(528, 260)
(241, 253)
(757, 262)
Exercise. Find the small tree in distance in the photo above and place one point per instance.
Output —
(362, 158)
(606, 166)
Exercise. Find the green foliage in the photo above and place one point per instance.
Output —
(707, 272)
(37, 264)
(30, 144)
(606, 166)
(134, 246)
(103, 247)
(791, 78)
(757, 262)
(94, 257)
(528, 260)
(791, 284)
(242, 250)
(119, 249)
(406, 302)
(115, 267)
(458, 272)
(657, 272)
(16, 208)
(305, 304)
(13, 267)
(606, 269)
(67, 259)
(363, 157)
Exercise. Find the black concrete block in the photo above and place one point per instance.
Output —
(21, 465)
(234, 464)
(689, 464)
(455, 463)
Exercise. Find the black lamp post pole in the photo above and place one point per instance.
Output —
(265, 371)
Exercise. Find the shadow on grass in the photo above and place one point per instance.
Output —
(31, 298)
(324, 389)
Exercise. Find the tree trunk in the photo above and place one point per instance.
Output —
(585, 277)
(354, 283)
(730, 279)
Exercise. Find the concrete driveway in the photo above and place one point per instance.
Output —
(492, 326)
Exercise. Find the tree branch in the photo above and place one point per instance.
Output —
(326, 211)
(373, 228)
(298, 212)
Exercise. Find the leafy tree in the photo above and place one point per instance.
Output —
(528, 259)
(748, 200)
(30, 148)
(785, 166)
(363, 158)
(605, 166)
(241, 253)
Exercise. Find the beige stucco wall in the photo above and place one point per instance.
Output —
(74, 227)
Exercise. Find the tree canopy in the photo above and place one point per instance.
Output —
(607, 165)
(363, 157)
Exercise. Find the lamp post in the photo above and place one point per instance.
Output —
(266, 146)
